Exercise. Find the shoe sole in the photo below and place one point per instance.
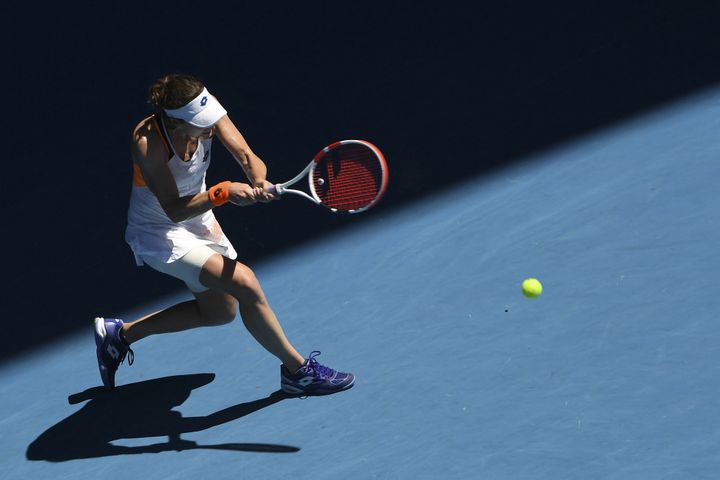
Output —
(297, 391)
(100, 334)
(100, 331)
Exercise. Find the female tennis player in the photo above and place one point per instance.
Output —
(171, 227)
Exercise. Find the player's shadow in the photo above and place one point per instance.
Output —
(142, 410)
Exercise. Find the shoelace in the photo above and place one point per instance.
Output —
(129, 353)
(130, 356)
(319, 370)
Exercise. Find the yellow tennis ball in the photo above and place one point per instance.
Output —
(532, 288)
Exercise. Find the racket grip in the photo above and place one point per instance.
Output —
(276, 189)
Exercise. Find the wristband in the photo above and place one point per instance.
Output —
(220, 193)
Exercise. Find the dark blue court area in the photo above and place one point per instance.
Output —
(588, 159)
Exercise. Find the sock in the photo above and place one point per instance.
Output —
(122, 337)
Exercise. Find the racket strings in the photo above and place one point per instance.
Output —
(349, 178)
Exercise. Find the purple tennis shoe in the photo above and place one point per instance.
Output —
(111, 349)
(314, 379)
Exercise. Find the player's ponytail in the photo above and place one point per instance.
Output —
(173, 91)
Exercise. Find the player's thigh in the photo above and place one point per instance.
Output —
(232, 277)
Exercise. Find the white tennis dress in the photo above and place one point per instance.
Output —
(151, 234)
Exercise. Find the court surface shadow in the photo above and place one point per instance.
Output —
(140, 410)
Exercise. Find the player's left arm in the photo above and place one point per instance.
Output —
(253, 166)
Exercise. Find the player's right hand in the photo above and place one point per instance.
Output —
(242, 194)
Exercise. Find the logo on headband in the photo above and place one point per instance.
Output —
(203, 101)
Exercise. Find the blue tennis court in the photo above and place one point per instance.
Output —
(610, 374)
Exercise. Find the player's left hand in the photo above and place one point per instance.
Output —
(262, 192)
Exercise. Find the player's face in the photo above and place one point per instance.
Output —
(197, 132)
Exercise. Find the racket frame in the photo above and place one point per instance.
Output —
(281, 188)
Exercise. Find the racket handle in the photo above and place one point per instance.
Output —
(275, 189)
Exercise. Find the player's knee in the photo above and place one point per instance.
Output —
(221, 314)
(247, 285)
(218, 318)
(225, 317)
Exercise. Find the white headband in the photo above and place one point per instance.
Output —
(202, 111)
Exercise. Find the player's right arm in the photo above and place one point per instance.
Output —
(150, 156)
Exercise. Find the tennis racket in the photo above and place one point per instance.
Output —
(349, 176)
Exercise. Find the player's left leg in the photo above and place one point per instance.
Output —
(210, 308)
(114, 336)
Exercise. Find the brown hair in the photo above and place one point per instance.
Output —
(174, 91)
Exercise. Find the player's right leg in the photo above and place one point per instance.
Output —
(227, 275)
(298, 375)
